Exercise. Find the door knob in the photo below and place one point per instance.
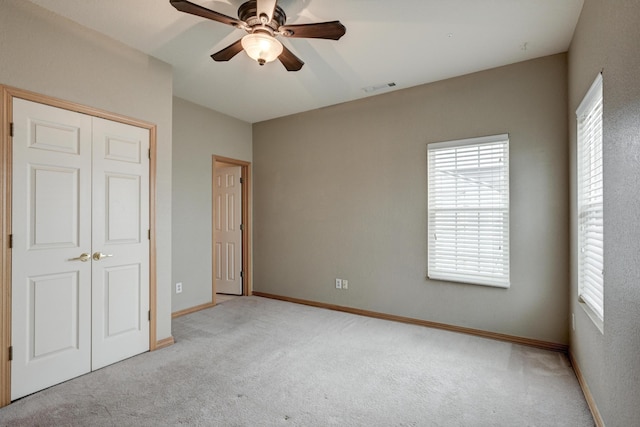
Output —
(99, 255)
(84, 257)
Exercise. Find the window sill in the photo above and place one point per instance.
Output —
(593, 316)
(466, 281)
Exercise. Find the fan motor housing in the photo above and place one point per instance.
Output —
(248, 12)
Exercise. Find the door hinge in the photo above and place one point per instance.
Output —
(241, 227)
(11, 129)
(241, 273)
(149, 153)
(149, 234)
(10, 353)
(149, 315)
(10, 241)
(241, 180)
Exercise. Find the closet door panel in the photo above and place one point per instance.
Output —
(120, 242)
(51, 226)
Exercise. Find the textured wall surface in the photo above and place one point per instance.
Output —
(198, 133)
(341, 192)
(45, 53)
(606, 39)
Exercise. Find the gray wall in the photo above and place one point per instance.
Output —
(606, 38)
(341, 192)
(198, 133)
(45, 53)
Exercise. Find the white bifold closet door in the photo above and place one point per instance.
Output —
(80, 257)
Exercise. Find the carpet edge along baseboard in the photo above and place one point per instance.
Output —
(165, 342)
(591, 402)
(545, 345)
(192, 309)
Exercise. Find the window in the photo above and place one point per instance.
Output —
(468, 224)
(590, 211)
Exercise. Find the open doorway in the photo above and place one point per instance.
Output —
(230, 227)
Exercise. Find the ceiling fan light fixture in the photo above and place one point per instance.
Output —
(261, 47)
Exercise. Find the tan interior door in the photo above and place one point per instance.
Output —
(227, 232)
(80, 266)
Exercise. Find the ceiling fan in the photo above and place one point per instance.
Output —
(264, 20)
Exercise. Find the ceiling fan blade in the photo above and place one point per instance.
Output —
(323, 30)
(194, 9)
(266, 7)
(228, 52)
(289, 60)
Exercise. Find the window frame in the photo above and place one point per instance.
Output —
(590, 213)
(441, 264)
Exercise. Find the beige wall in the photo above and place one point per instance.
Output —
(45, 53)
(341, 192)
(606, 38)
(198, 133)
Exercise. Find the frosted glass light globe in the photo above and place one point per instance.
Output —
(261, 47)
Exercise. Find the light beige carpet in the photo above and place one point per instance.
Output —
(259, 362)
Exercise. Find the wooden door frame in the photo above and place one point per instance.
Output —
(6, 160)
(245, 175)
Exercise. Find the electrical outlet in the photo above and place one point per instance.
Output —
(178, 287)
(345, 284)
(338, 283)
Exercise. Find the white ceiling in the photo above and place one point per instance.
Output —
(408, 42)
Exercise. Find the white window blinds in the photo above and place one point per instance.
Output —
(468, 196)
(590, 206)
